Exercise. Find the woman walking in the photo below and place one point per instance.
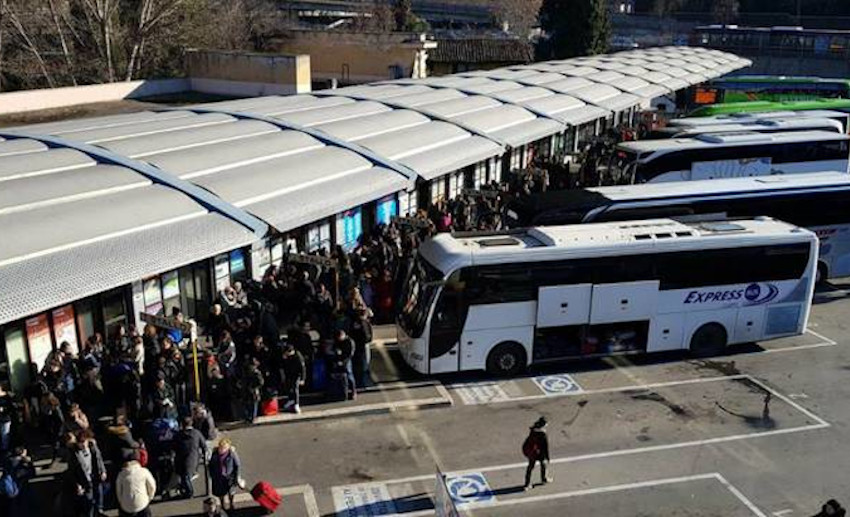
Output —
(224, 471)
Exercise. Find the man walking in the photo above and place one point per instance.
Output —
(189, 445)
(536, 449)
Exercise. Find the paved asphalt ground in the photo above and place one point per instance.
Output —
(762, 431)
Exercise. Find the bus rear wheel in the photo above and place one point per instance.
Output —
(708, 340)
(506, 359)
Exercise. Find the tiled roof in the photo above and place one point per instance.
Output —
(481, 51)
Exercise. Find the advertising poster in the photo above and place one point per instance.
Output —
(237, 262)
(38, 339)
(152, 294)
(170, 285)
(63, 327)
(387, 209)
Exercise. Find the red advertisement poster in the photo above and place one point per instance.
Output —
(63, 326)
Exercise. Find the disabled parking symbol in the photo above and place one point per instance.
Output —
(469, 488)
(561, 384)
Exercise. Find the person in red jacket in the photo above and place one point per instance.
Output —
(536, 449)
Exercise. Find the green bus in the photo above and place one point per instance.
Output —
(770, 88)
(766, 106)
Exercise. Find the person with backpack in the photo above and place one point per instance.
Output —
(15, 487)
(536, 449)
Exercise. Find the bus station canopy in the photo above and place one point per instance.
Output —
(88, 205)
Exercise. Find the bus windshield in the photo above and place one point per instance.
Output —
(417, 296)
(621, 168)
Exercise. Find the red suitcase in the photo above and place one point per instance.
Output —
(269, 407)
(266, 496)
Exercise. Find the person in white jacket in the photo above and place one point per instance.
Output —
(135, 488)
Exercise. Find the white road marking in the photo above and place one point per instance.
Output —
(715, 476)
(821, 424)
(618, 389)
(780, 513)
(825, 341)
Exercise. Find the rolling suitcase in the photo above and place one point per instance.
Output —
(269, 407)
(266, 496)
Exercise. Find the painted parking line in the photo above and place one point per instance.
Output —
(476, 393)
(820, 423)
(824, 342)
(626, 487)
(488, 501)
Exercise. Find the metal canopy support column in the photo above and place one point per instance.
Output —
(205, 198)
(319, 135)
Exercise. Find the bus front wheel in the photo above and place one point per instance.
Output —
(708, 340)
(506, 359)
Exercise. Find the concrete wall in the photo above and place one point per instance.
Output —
(247, 73)
(31, 100)
(358, 57)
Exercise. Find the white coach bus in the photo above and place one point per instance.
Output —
(500, 302)
(778, 125)
(731, 118)
(728, 155)
(817, 201)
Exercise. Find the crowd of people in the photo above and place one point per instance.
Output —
(131, 420)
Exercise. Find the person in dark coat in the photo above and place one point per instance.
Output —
(361, 333)
(294, 375)
(203, 421)
(252, 384)
(344, 351)
(224, 470)
(536, 449)
(85, 475)
(189, 444)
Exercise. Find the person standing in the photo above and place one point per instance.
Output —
(294, 374)
(252, 385)
(536, 449)
(344, 351)
(189, 445)
(135, 488)
(85, 475)
(361, 333)
(21, 468)
(224, 470)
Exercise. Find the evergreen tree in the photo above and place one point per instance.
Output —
(574, 28)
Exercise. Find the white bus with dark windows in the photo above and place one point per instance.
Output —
(728, 155)
(500, 302)
(817, 201)
(756, 126)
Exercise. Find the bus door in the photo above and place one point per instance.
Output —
(447, 323)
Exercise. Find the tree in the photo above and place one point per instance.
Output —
(574, 28)
(725, 11)
(402, 12)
